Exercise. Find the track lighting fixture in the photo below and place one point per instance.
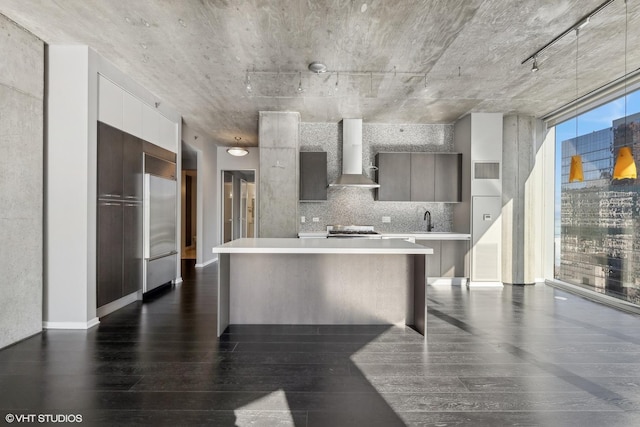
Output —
(534, 68)
(247, 83)
(300, 89)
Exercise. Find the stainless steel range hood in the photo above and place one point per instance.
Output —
(352, 175)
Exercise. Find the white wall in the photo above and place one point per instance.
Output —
(72, 114)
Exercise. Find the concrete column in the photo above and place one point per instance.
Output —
(278, 197)
(21, 182)
(521, 204)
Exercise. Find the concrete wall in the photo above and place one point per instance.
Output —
(21, 182)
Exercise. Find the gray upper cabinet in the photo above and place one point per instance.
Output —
(448, 168)
(419, 177)
(394, 176)
(313, 176)
(422, 177)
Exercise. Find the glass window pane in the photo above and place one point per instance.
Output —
(597, 219)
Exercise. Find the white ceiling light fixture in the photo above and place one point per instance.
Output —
(237, 151)
(317, 67)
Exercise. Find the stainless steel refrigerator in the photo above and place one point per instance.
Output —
(160, 223)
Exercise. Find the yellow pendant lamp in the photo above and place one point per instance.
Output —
(625, 165)
(575, 173)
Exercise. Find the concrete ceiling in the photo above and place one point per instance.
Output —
(194, 54)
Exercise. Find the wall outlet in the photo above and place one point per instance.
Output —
(386, 219)
(316, 219)
(303, 219)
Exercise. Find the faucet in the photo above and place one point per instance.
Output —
(427, 217)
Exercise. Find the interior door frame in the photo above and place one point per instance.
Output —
(221, 208)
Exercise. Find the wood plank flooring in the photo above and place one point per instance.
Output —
(533, 356)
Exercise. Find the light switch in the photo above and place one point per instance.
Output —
(303, 219)
(316, 219)
(486, 217)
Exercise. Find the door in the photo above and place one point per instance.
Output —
(132, 248)
(227, 217)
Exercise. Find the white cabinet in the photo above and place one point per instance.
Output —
(109, 103)
(167, 133)
(486, 229)
(123, 111)
(150, 124)
(131, 115)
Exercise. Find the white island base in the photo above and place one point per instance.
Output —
(321, 281)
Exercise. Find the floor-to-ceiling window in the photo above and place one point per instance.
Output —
(597, 219)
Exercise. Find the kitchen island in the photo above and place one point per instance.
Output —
(321, 281)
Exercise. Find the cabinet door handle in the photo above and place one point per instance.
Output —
(111, 204)
(109, 195)
(131, 197)
(131, 205)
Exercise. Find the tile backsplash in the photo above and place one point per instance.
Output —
(357, 206)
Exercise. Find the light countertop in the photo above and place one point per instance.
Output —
(322, 246)
(432, 235)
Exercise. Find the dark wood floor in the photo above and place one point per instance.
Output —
(530, 356)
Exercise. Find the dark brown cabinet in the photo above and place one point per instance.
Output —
(393, 176)
(110, 244)
(131, 167)
(110, 146)
(120, 215)
(419, 177)
(313, 176)
(132, 256)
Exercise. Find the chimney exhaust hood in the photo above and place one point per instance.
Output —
(352, 175)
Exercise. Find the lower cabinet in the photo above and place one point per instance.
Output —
(119, 263)
(110, 243)
(132, 256)
(448, 259)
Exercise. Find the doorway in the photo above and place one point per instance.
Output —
(238, 204)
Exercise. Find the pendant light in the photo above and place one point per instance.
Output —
(237, 151)
(625, 167)
(575, 173)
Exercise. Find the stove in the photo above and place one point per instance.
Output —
(352, 231)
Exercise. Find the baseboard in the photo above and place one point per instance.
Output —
(71, 325)
(475, 284)
(177, 280)
(204, 264)
(539, 280)
(117, 304)
(446, 281)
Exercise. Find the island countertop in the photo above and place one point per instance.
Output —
(321, 246)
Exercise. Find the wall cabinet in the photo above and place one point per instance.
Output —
(109, 265)
(394, 176)
(419, 177)
(313, 176)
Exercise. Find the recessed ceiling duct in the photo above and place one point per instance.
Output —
(352, 173)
